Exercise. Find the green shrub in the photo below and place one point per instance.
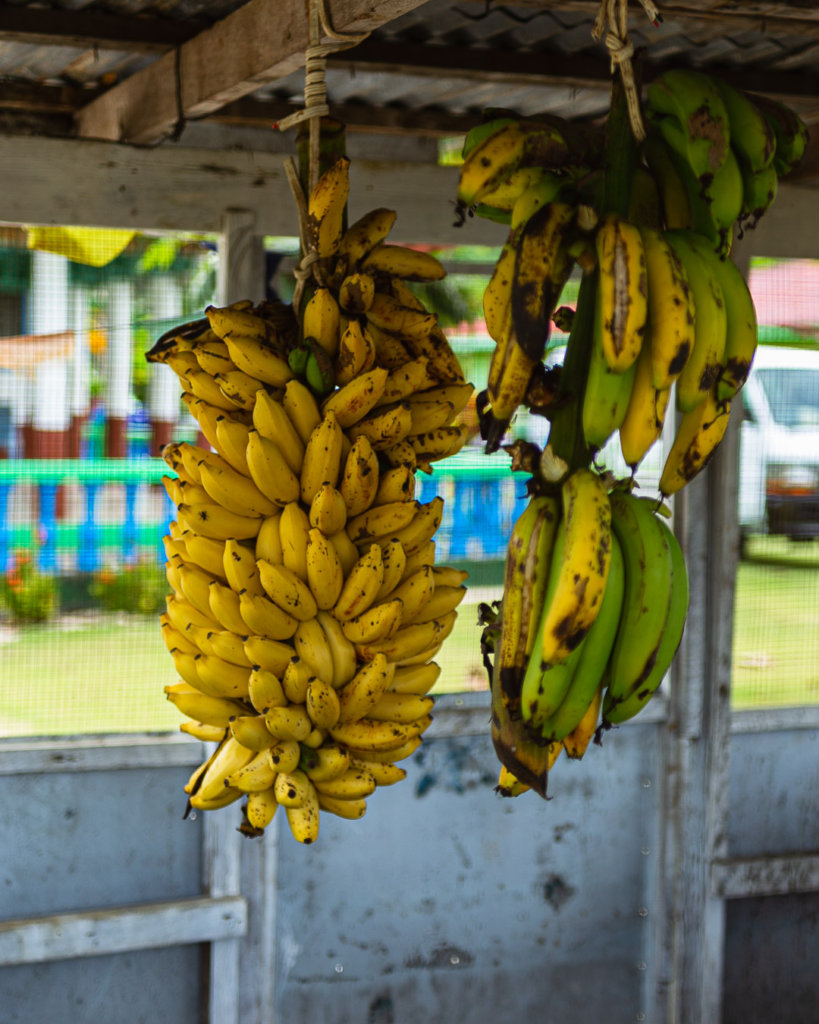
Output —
(26, 593)
(139, 588)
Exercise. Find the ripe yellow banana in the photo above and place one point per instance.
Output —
(225, 605)
(266, 618)
(294, 531)
(314, 649)
(355, 293)
(322, 704)
(322, 458)
(356, 353)
(270, 471)
(321, 320)
(578, 579)
(382, 521)
(671, 309)
(268, 539)
(325, 576)
(403, 262)
(272, 421)
(216, 522)
(353, 401)
(264, 690)
(328, 510)
(287, 590)
(384, 427)
(359, 479)
(325, 209)
(231, 442)
(342, 650)
(302, 408)
(268, 654)
(233, 491)
(622, 291)
(698, 436)
(365, 689)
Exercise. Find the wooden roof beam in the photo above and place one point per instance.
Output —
(260, 42)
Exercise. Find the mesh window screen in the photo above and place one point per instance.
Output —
(776, 625)
(82, 508)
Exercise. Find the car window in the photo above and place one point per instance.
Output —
(793, 395)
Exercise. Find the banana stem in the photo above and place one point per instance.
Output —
(620, 154)
(332, 145)
(566, 435)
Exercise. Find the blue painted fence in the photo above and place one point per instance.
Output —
(482, 499)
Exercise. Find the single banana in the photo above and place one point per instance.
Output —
(403, 262)
(325, 576)
(266, 618)
(594, 651)
(256, 776)
(400, 707)
(325, 209)
(233, 491)
(238, 386)
(258, 360)
(288, 723)
(225, 605)
(361, 585)
(759, 189)
(385, 426)
(328, 510)
(671, 310)
(313, 647)
(615, 711)
(355, 400)
(704, 363)
(382, 521)
(268, 539)
(231, 442)
(422, 527)
(252, 733)
(345, 549)
(356, 353)
(403, 321)
(270, 471)
(359, 478)
(260, 809)
(415, 594)
(356, 783)
(296, 678)
(351, 810)
(580, 575)
(342, 650)
(361, 238)
(322, 458)
(698, 435)
(294, 532)
(374, 625)
(438, 444)
(607, 393)
(355, 293)
(394, 561)
(646, 596)
(272, 421)
(409, 641)
(268, 654)
(201, 708)
(322, 704)
(216, 522)
(302, 408)
(417, 679)
(643, 422)
(443, 600)
(264, 690)
(369, 736)
(622, 291)
(321, 320)
(287, 590)
(577, 742)
(406, 379)
(395, 484)
(304, 820)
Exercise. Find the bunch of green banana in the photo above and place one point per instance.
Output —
(717, 152)
(593, 609)
(305, 607)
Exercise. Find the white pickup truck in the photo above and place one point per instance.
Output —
(779, 444)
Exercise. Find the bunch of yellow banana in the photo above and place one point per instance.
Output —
(306, 607)
(594, 604)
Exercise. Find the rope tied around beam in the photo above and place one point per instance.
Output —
(611, 25)
(315, 107)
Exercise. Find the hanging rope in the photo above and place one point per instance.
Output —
(315, 107)
(611, 25)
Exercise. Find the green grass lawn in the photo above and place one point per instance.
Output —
(96, 673)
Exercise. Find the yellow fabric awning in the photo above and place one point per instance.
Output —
(94, 247)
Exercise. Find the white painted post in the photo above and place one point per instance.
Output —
(49, 313)
(79, 370)
(117, 395)
(163, 384)
(240, 274)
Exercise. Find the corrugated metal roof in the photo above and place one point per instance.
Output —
(753, 41)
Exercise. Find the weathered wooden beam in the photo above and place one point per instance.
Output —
(88, 29)
(260, 42)
(121, 929)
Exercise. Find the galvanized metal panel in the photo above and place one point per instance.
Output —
(148, 987)
(448, 903)
(774, 782)
(79, 841)
(772, 961)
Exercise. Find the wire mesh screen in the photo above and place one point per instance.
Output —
(82, 507)
(776, 623)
